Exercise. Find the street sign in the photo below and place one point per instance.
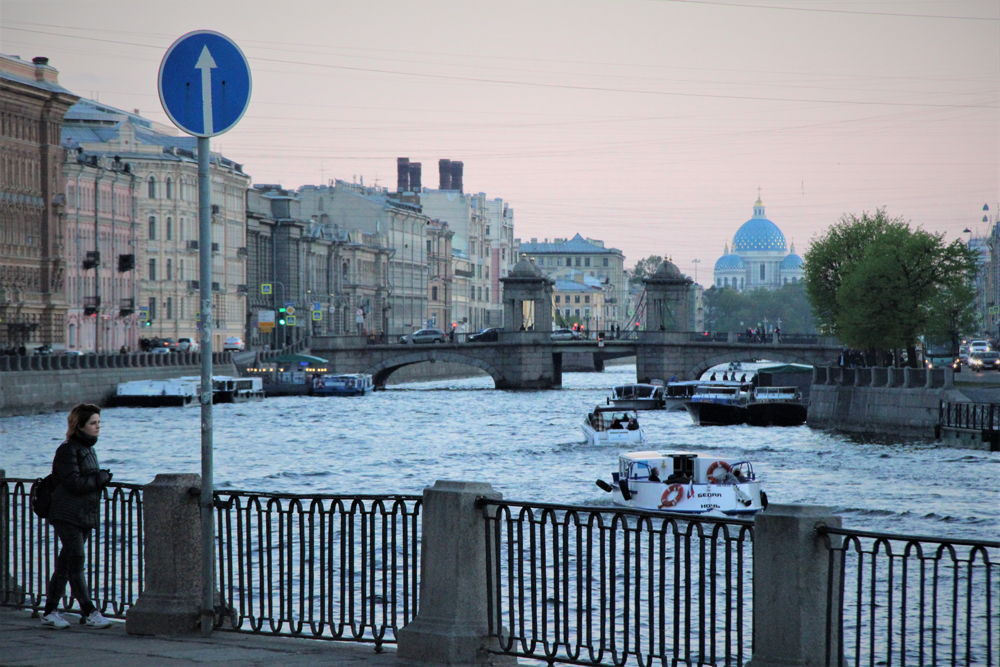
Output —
(266, 327)
(144, 313)
(204, 83)
(317, 315)
(290, 310)
(316, 305)
(265, 288)
(265, 316)
(290, 320)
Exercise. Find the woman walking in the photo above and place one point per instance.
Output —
(74, 513)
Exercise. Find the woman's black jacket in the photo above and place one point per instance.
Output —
(77, 497)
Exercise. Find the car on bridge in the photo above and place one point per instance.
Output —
(984, 361)
(565, 334)
(425, 336)
(486, 336)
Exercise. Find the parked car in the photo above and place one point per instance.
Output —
(564, 334)
(233, 344)
(159, 350)
(984, 361)
(486, 336)
(187, 345)
(425, 336)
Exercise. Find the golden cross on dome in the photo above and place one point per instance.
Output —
(758, 193)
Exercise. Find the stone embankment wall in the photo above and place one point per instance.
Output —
(901, 401)
(31, 385)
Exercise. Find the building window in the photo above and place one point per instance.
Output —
(586, 261)
(586, 313)
(479, 291)
(786, 281)
(567, 312)
(605, 261)
(180, 276)
(170, 272)
(586, 299)
(576, 299)
(569, 261)
(557, 298)
(434, 291)
(151, 188)
(170, 308)
(727, 282)
(577, 312)
(152, 228)
(152, 269)
(170, 229)
(487, 298)
(578, 261)
(152, 308)
(472, 292)
(479, 270)
(170, 195)
(762, 272)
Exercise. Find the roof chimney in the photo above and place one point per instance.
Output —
(41, 62)
(456, 176)
(415, 176)
(402, 174)
(444, 171)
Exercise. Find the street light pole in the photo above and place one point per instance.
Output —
(696, 262)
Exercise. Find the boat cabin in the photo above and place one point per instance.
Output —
(636, 391)
(726, 392)
(776, 394)
(604, 418)
(682, 467)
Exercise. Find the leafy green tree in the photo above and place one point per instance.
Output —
(951, 315)
(644, 268)
(877, 284)
(727, 309)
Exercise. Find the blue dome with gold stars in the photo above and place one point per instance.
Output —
(730, 262)
(759, 233)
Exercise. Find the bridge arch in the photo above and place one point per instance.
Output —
(381, 371)
(776, 355)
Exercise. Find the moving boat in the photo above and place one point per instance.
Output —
(719, 403)
(185, 391)
(776, 406)
(638, 396)
(350, 384)
(613, 426)
(686, 483)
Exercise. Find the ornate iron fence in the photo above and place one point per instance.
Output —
(974, 416)
(323, 566)
(908, 600)
(28, 549)
(599, 586)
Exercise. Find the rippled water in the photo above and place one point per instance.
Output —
(528, 444)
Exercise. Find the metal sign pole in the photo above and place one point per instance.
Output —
(207, 481)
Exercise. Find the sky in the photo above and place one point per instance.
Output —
(648, 124)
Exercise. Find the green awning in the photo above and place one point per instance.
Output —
(786, 368)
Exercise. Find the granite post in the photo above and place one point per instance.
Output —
(171, 600)
(790, 570)
(451, 625)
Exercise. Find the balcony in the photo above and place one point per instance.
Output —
(215, 209)
(241, 289)
(216, 287)
(126, 307)
(193, 284)
(126, 263)
(192, 245)
(93, 260)
(241, 252)
(91, 304)
(215, 247)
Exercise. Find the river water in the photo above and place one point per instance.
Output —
(528, 444)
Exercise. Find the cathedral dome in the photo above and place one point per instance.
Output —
(759, 233)
(730, 262)
(792, 261)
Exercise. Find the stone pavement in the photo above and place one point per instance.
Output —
(24, 642)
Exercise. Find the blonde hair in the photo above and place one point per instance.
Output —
(79, 416)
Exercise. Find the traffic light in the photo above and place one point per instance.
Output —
(281, 321)
(147, 323)
(281, 315)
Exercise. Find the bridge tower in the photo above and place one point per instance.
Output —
(527, 283)
(668, 299)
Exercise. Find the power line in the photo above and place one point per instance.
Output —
(832, 11)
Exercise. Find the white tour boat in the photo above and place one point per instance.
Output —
(637, 396)
(677, 393)
(184, 391)
(685, 482)
(352, 384)
(613, 426)
(719, 403)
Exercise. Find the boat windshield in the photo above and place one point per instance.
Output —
(724, 391)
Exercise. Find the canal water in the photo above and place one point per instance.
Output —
(528, 445)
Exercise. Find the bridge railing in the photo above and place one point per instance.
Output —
(60, 362)
(908, 600)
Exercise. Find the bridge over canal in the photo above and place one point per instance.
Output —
(532, 360)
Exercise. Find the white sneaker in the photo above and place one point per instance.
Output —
(96, 620)
(54, 621)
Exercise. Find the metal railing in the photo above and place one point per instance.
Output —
(973, 416)
(28, 549)
(906, 600)
(598, 586)
(322, 566)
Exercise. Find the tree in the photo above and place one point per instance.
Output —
(645, 268)
(727, 309)
(877, 284)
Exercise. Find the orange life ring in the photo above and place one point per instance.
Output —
(716, 465)
(666, 501)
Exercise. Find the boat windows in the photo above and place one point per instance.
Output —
(683, 467)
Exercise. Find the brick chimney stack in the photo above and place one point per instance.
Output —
(444, 171)
(456, 176)
(403, 174)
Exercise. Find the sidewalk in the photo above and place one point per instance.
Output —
(24, 642)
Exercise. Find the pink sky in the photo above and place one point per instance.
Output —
(648, 124)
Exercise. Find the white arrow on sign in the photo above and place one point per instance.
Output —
(206, 64)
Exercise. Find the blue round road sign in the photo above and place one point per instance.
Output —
(204, 83)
